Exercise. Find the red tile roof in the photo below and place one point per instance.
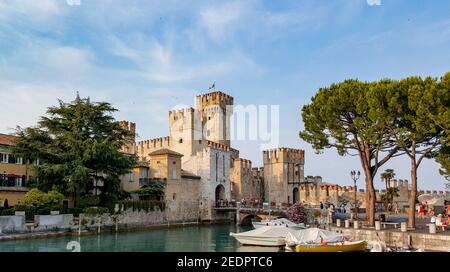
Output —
(165, 151)
(6, 139)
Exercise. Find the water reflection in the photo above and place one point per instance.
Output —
(214, 238)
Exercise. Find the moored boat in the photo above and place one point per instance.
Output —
(282, 222)
(317, 240)
(271, 236)
(358, 246)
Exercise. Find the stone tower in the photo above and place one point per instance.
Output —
(130, 142)
(185, 131)
(283, 174)
(216, 109)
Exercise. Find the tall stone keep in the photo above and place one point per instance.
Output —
(216, 110)
(283, 174)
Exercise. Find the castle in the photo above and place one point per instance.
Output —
(200, 167)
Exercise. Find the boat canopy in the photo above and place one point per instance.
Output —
(267, 231)
(313, 236)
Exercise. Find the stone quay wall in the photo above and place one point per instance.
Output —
(428, 242)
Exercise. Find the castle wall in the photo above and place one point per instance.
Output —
(283, 174)
(246, 182)
(213, 166)
(182, 200)
(144, 148)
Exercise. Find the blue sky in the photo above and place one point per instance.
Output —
(145, 57)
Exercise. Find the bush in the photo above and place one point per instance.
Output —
(153, 192)
(39, 199)
(88, 201)
(92, 211)
(75, 211)
(37, 202)
(297, 213)
(124, 195)
(143, 205)
(6, 211)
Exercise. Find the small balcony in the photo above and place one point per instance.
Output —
(10, 180)
(144, 182)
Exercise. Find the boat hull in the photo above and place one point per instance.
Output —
(348, 247)
(260, 241)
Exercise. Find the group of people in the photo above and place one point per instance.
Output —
(393, 208)
(250, 203)
(224, 203)
(442, 220)
(340, 209)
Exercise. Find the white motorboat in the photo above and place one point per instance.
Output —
(283, 222)
(271, 236)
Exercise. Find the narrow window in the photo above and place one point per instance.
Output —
(131, 176)
(174, 173)
(217, 168)
(3, 158)
(223, 165)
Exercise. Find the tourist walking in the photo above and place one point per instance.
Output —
(396, 208)
(321, 205)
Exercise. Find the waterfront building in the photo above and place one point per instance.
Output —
(15, 173)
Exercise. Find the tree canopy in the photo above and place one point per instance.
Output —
(381, 120)
(342, 116)
(78, 146)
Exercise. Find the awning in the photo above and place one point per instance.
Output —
(12, 176)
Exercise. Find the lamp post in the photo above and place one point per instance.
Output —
(355, 176)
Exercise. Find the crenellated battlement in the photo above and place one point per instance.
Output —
(181, 114)
(163, 142)
(245, 164)
(400, 183)
(128, 125)
(258, 172)
(214, 99)
(223, 147)
(438, 194)
(283, 154)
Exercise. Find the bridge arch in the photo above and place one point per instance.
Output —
(246, 219)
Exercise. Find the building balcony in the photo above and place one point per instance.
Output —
(13, 182)
(151, 181)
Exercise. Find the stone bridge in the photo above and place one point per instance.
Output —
(245, 215)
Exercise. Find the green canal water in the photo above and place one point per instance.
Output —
(206, 238)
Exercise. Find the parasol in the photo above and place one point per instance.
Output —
(427, 198)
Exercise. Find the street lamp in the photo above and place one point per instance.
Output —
(355, 176)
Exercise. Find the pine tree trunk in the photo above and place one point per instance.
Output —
(370, 198)
(370, 205)
(413, 193)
